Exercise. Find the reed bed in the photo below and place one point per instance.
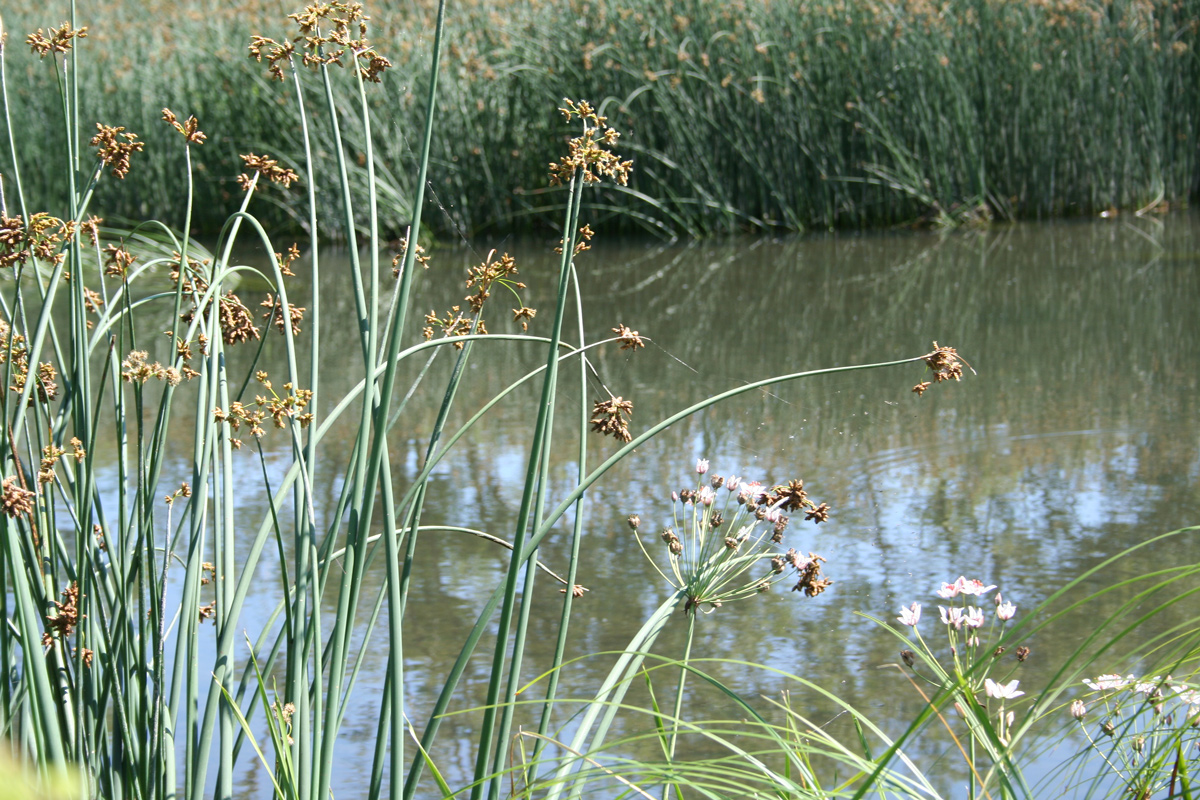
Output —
(743, 115)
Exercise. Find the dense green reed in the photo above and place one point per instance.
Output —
(782, 115)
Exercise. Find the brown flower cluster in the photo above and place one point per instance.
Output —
(114, 147)
(189, 128)
(811, 582)
(14, 350)
(266, 167)
(45, 385)
(275, 314)
(327, 33)
(629, 339)
(481, 279)
(50, 456)
(91, 226)
(42, 237)
(280, 408)
(788, 497)
(455, 324)
(283, 407)
(58, 40)
(236, 321)
(946, 364)
(92, 302)
(609, 417)
(398, 259)
(64, 622)
(184, 491)
(117, 261)
(590, 154)
(285, 261)
(17, 501)
(582, 243)
(134, 369)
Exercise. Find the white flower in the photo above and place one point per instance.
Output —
(973, 617)
(973, 587)
(701, 466)
(951, 616)
(1187, 695)
(732, 483)
(1109, 681)
(1002, 691)
(706, 495)
(949, 590)
(1078, 709)
(750, 490)
(910, 616)
(1005, 611)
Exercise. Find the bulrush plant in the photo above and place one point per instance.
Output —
(124, 597)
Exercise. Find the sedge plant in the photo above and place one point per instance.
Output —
(138, 347)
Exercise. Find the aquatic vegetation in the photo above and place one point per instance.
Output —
(139, 399)
(743, 116)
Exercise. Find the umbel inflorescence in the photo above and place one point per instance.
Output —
(725, 540)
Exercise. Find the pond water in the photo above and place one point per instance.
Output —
(1076, 439)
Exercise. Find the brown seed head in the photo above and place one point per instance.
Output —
(629, 339)
(609, 418)
(114, 147)
(189, 128)
(17, 502)
(58, 41)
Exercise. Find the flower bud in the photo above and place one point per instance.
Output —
(1078, 709)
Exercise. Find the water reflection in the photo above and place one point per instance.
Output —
(1077, 438)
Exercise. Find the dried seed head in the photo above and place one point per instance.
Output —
(629, 339)
(58, 41)
(189, 128)
(588, 155)
(18, 502)
(266, 167)
(114, 147)
(609, 417)
(946, 364)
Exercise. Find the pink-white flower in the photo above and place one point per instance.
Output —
(951, 616)
(1187, 695)
(701, 466)
(1006, 610)
(750, 490)
(706, 495)
(732, 483)
(1149, 685)
(949, 590)
(973, 587)
(1109, 681)
(1002, 691)
(973, 617)
(1078, 709)
(910, 616)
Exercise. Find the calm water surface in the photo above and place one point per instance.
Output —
(1076, 439)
